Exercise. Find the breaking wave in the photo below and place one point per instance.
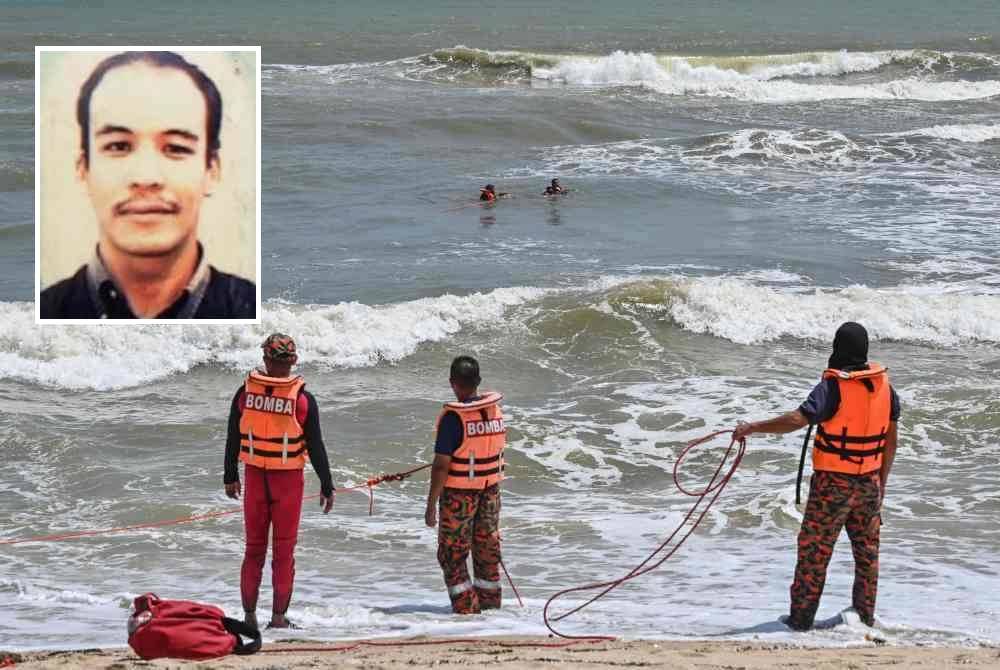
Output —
(767, 78)
(974, 133)
(763, 80)
(744, 310)
(347, 334)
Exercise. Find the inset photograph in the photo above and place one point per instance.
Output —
(147, 194)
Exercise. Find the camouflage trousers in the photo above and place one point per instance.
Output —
(836, 501)
(470, 522)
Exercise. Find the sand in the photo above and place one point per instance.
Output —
(500, 653)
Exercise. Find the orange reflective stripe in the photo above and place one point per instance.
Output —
(271, 436)
(852, 440)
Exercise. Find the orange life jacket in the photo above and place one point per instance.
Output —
(853, 440)
(478, 462)
(488, 196)
(270, 434)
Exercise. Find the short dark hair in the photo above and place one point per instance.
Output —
(465, 371)
(213, 100)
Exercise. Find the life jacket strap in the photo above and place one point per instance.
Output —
(850, 439)
(273, 453)
(852, 455)
(473, 474)
(479, 461)
(250, 437)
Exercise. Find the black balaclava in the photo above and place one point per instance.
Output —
(850, 348)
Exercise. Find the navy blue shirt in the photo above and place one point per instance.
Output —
(91, 293)
(824, 401)
(450, 432)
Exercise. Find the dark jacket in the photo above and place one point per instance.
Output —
(225, 296)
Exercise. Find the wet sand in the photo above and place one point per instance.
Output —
(514, 654)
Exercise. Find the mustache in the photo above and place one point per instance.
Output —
(146, 206)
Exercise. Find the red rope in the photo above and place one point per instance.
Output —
(715, 485)
(367, 486)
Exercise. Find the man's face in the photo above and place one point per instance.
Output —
(147, 173)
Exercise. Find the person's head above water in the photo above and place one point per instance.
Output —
(489, 187)
(555, 182)
(850, 348)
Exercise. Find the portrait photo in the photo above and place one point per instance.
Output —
(147, 184)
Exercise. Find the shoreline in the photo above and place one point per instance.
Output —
(534, 652)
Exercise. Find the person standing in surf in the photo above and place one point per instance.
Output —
(274, 429)
(465, 483)
(856, 411)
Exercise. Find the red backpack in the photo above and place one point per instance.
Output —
(185, 629)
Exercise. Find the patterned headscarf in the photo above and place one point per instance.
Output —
(279, 347)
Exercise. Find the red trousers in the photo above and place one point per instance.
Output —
(271, 498)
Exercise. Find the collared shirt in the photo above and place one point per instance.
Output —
(105, 293)
(91, 293)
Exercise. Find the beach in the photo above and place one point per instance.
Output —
(744, 180)
(497, 652)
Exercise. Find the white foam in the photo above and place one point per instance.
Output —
(748, 314)
(749, 149)
(358, 335)
(346, 334)
(37, 594)
(681, 76)
(974, 133)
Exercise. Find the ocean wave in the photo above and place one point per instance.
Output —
(351, 334)
(760, 66)
(762, 78)
(24, 590)
(468, 58)
(975, 133)
(623, 67)
(765, 84)
(739, 309)
(775, 78)
(925, 149)
(740, 312)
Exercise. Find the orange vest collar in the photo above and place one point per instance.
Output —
(278, 382)
(486, 399)
(874, 369)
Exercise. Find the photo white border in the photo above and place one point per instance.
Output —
(132, 322)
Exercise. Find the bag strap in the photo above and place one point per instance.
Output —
(238, 628)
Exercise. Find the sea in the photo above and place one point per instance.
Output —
(745, 176)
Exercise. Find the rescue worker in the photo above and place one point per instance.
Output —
(488, 193)
(465, 480)
(856, 411)
(274, 429)
(554, 188)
